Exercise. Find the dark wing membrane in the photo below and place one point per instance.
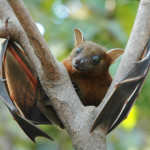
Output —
(124, 94)
(3, 50)
(30, 129)
(21, 83)
(131, 100)
(125, 111)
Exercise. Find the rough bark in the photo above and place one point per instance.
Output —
(76, 118)
(136, 43)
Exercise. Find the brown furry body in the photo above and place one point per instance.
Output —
(88, 67)
(92, 87)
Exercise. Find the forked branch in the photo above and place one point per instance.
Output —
(76, 118)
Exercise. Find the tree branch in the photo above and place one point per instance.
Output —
(76, 118)
(134, 49)
(48, 63)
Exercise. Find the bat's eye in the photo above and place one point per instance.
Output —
(78, 50)
(95, 59)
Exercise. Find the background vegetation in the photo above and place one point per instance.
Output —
(107, 22)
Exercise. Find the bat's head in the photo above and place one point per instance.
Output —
(89, 56)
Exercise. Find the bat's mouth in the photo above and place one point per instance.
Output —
(80, 68)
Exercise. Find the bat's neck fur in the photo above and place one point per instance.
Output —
(93, 85)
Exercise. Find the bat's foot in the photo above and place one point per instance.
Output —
(75, 86)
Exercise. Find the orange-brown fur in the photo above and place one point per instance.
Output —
(95, 81)
(92, 86)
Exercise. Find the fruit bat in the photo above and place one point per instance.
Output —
(124, 94)
(22, 93)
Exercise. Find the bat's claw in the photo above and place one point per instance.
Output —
(6, 28)
(75, 86)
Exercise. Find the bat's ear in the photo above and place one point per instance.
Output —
(114, 54)
(79, 39)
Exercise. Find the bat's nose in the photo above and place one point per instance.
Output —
(82, 61)
(79, 62)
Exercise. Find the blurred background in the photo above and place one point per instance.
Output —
(106, 22)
